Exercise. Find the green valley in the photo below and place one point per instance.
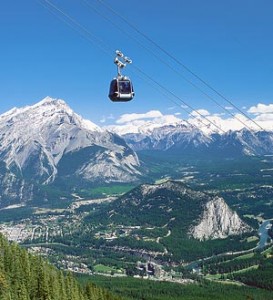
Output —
(121, 231)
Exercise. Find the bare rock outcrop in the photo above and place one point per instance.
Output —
(218, 221)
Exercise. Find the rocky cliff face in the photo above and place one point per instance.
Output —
(218, 221)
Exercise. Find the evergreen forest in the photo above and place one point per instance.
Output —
(30, 277)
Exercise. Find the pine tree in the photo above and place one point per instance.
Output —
(26, 269)
(42, 289)
(23, 292)
(3, 285)
(62, 287)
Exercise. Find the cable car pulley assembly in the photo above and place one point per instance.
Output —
(121, 87)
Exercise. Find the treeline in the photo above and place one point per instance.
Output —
(138, 289)
(15, 214)
(261, 277)
(233, 265)
(191, 249)
(242, 202)
(28, 277)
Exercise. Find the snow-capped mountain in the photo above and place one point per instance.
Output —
(180, 135)
(48, 141)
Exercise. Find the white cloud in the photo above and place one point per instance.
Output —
(133, 123)
(261, 109)
(201, 118)
(167, 119)
(199, 113)
(206, 123)
(265, 117)
(228, 107)
(126, 118)
(105, 118)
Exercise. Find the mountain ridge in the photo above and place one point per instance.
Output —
(190, 139)
(174, 200)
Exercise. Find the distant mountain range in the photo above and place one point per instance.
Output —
(185, 138)
(48, 142)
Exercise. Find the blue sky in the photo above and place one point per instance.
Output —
(229, 44)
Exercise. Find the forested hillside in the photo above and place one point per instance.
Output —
(27, 277)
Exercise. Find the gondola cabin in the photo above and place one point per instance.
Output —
(121, 90)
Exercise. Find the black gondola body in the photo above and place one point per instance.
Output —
(121, 89)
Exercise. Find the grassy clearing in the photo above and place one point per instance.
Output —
(162, 180)
(255, 267)
(268, 251)
(45, 211)
(106, 190)
(213, 276)
(224, 275)
(244, 256)
(252, 239)
(105, 269)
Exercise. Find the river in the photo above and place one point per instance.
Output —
(263, 234)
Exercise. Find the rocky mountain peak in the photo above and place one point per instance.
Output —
(218, 221)
(174, 186)
(49, 101)
(36, 141)
(49, 125)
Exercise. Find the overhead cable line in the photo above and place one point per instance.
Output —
(179, 99)
(185, 67)
(164, 62)
(97, 41)
(75, 25)
(167, 64)
(85, 33)
(163, 91)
